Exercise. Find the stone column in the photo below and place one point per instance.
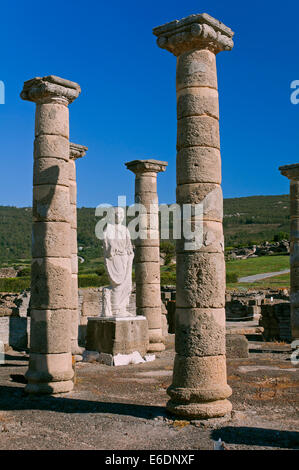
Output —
(199, 388)
(292, 173)
(76, 151)
(50, 364)
(147, 254)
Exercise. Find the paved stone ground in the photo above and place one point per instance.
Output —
(124, 408)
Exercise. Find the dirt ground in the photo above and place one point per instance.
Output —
(115, 408)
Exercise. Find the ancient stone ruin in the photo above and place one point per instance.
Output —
(199, 387)
(147, 254)
(53, 287)
(64, 319)
(292, 173)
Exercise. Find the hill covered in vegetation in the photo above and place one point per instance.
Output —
(247, 221)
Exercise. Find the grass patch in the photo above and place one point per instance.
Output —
(14, 284)
(263, 264)
(92, 280)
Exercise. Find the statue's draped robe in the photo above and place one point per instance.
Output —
(118, 253)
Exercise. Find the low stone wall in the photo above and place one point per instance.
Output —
(276, 320)
(14, 323)
(270, 307)
(8, 272)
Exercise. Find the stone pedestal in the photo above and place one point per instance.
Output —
(147, 251)
(292, 173)
(117, 335)
(199, 388)
(50, 364)
(76, 151)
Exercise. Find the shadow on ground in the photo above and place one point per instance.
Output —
(14, 398)
(257, 437)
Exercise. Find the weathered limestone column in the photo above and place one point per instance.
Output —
(199, 388)
(76, 151)
(147, 254)
(292, 173)
(50, 365)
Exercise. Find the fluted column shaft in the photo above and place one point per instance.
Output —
(199, 388)
(147, 253)
(50, 364)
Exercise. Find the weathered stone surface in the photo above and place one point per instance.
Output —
(236, 346)
(202, 131)
(209, 195)
(153, 316)
(74, 263)
(147, 259)
(197, 101)
(51, 203)
(147, 272)
(52, 146)
(72, 170)
(200, 410)
(73, 302)
(50, 239)
(147, 254)
(198, 165)
(73, 216)
(49, 388)
(145, 183)
(73, 192)
(200, 378)
(49, 368)
(207, 237)
(147, 199)
(196, 68)
(200, 332)
(50, 331)
(14, 332)
(117, 335)
(195, 32)
(51, 283)
(294, 190)
(52, 289)
(48, 170)
(294, 235)
(52, 119)
(148, 295)
(200, 280)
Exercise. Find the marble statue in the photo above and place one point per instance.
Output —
(118, 255)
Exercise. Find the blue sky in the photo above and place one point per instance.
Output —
(127, 106)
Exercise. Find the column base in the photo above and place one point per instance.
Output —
(156, 347)
(156, 340)
(49, 388)
(49, 373)
(76, 349)
(215, 409)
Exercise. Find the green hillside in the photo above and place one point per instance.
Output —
(247, 220)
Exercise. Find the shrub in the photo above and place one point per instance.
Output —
(24, 272)
(280, 236)
(231, 277)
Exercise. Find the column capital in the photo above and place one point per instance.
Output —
(77, 151)
(146, 166)
(290, 171)
(50, 89)
(200, 31)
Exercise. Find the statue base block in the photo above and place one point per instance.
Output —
(112, 335)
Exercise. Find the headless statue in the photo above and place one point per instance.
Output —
(118, 254)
